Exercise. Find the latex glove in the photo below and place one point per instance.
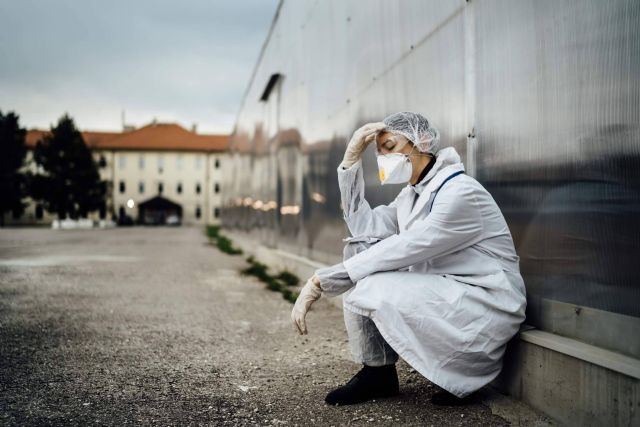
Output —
(309, 294)
(360, 140)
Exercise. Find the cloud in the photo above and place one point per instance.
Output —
(184, 61)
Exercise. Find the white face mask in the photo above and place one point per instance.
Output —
(394, 168)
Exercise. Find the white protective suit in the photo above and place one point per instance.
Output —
(441, 281)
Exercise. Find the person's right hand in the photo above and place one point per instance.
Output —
(309, 294)
(361, 138)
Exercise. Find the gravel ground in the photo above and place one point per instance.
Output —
(153, 325)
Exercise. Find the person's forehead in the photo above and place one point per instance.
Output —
(383, 136)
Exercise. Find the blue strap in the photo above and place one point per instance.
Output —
(443, 183)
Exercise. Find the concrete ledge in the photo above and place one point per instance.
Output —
(569, 389)
(607, 359)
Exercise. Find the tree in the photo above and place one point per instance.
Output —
(13, 152)
(70, 185)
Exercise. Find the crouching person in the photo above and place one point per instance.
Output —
(432, 277)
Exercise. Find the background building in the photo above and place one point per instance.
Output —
(165, 168)
(542, 101)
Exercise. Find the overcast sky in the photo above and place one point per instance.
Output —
(185, 61)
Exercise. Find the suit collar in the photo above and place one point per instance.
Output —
(444, 158)
(447, 163)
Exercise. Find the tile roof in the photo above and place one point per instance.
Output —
(159, 136)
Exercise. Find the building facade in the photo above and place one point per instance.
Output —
(156, 166)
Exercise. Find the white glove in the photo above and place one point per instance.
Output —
(361, 138)
(309, 294)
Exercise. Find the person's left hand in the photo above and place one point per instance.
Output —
(309, 294)
(361, 138)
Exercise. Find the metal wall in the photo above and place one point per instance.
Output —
(540, 98)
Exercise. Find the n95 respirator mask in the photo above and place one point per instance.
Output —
(394, 168)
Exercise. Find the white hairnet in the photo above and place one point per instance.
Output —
(416, 128)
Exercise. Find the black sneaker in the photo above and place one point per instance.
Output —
(444, 398)
(369, 383)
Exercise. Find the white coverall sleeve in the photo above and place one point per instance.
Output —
(454, 223)
(334, 279)
(363, 221)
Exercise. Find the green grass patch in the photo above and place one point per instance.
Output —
(288, 278)
(278, 283)
(213, 231)
(222, 242)
(225, 245)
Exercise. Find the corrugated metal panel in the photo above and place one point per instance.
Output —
(550, 90)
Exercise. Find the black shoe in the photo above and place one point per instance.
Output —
(444, 398)
(369, 383)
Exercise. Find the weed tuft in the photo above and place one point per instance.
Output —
(222, 242)
(213, 231)
(288, 278)
(278, 283)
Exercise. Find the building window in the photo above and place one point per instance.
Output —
(141, 162)
(160, 163)
(198, 162)
(160, 188)
(141, 187)
(179, 162)
(217, 163)
(216, 212)
(216, 188)
(39, 211)
(102, 162)
(179, 188)
(198, 212)
(122, 187)
(122, 161)
(198, 188)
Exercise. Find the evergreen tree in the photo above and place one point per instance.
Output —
(13, 152)
(70, 185)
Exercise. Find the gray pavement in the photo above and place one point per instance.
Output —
(154, 326)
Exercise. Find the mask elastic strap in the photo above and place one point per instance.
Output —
(417, 154)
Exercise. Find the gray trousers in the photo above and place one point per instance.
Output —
(367, 345)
